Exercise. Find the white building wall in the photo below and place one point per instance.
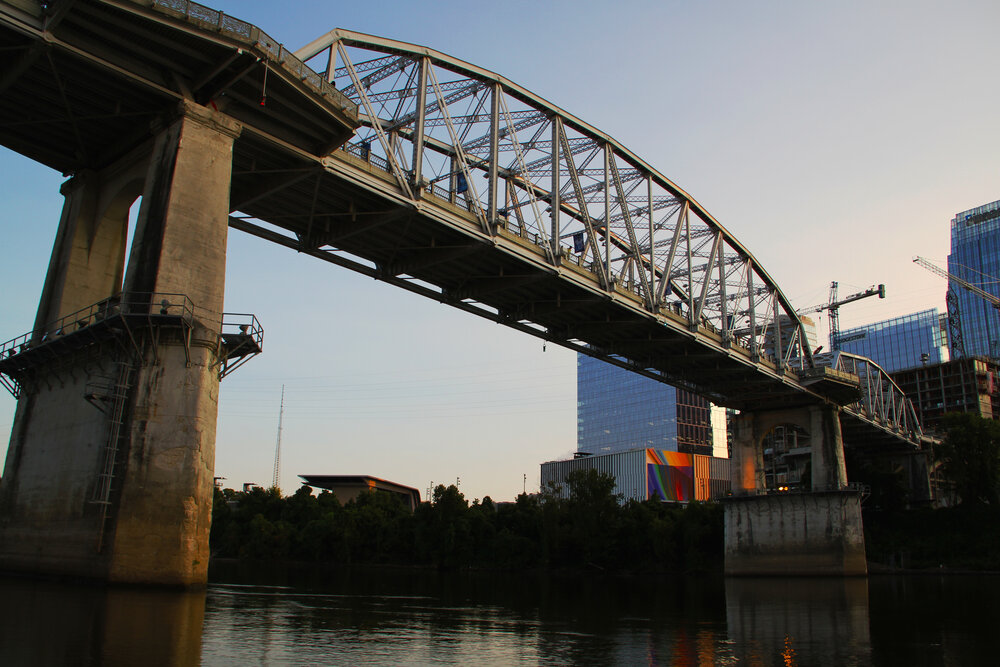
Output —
(628, 469)
(720, 438)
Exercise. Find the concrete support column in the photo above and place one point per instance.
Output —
(110, 467)
(163, 515)
(48, 520)
(918, 477)
(88, 257)
(747, 467)
(829, 473)
(180, 237)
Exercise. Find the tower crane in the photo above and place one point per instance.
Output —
(834, 304)
(954, 317)
(978, 291)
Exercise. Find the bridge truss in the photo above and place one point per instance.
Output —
(450, 130)
(882, 410)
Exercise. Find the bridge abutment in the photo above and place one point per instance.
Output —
(110, 466)
(818, 532)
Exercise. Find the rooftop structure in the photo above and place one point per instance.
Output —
(349, 487)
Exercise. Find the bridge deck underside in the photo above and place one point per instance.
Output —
(78, 92)
(504, 278)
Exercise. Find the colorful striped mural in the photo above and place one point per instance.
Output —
(670, 475)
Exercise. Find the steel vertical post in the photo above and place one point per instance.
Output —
(651, 295)
(554, 193)
(331, 62)
(491, 213)
(607, 214)
(754, 355)
(418, 130)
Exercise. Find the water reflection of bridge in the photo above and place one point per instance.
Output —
(395, 161)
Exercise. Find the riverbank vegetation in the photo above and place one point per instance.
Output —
(588, 530)
(963, 538)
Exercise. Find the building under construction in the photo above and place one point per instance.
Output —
(968, 384)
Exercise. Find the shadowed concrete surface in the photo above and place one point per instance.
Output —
(818, 533)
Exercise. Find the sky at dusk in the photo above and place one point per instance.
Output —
(834, 140)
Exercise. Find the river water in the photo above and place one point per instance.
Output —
(372, 617)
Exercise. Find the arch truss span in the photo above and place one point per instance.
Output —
(445, 130)
(882, 403)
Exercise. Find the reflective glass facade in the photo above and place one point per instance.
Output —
(900, 342)
(975, 258)
(618, 410)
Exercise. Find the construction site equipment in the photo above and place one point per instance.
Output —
(954, 316)
(834, 304)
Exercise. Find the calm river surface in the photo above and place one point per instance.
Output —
(426, 618)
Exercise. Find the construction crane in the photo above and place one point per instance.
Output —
(834, 304)
(978, 291)
(951, 299)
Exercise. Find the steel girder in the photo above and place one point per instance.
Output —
(447, 129)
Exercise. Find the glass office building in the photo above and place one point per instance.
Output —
(618, 410)
(900, 342)
(975, 258)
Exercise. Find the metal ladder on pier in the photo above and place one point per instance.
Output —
(114, 395)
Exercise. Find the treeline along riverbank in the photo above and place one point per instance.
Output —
(590, 529)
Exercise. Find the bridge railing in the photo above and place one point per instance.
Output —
(146, 305)
(251, 36)
(516, 162)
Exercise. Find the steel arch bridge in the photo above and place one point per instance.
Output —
(453, 142)
(458, 184)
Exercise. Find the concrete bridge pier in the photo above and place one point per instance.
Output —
(110, 466)
(818, 532)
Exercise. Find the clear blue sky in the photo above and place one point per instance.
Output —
(835, 140)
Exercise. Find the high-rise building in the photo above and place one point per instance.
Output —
(975, 258)
(901, 342)
(618, 410)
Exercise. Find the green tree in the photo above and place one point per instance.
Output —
(970, 457)
(594, 518)
(376, 524)
(446, 533)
